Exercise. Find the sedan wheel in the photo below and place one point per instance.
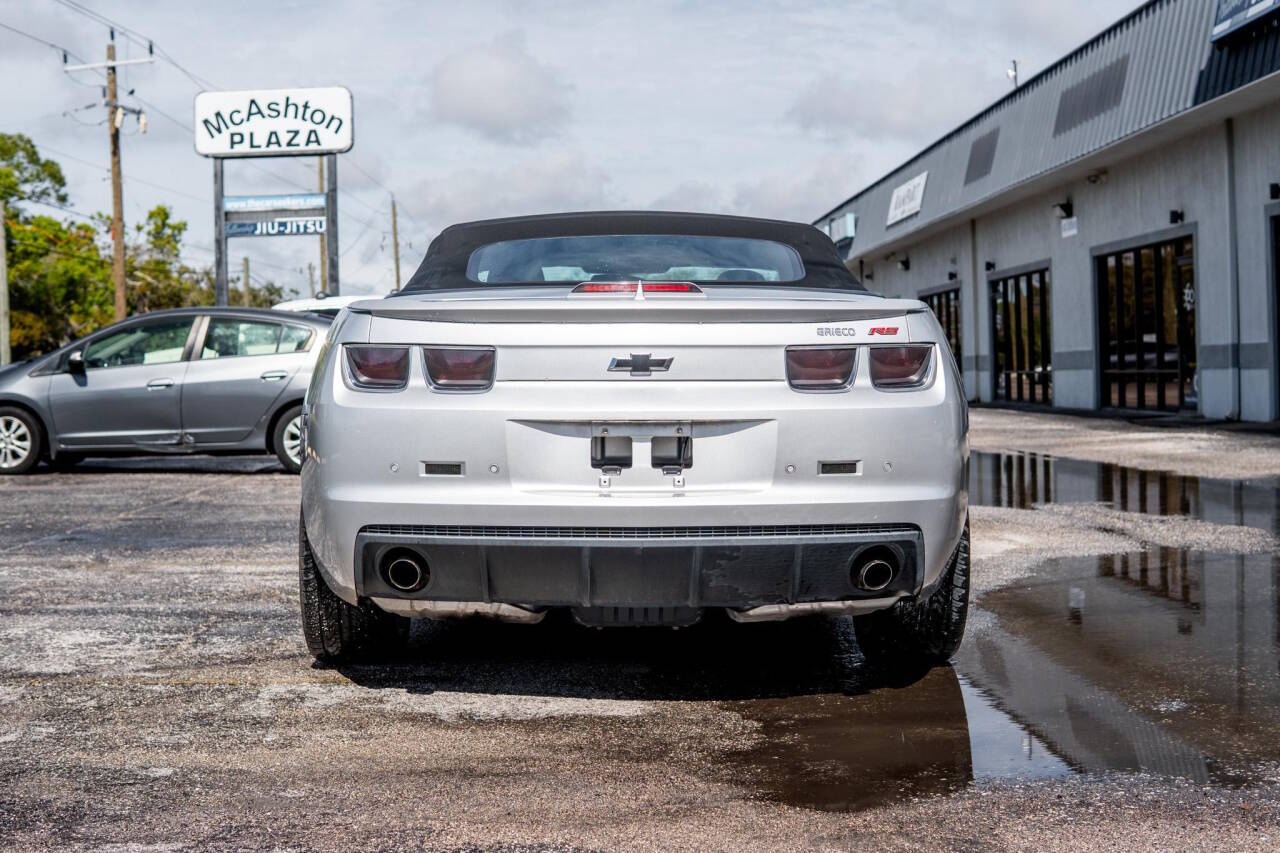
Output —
(293, 440)
(19, 443)
(288, 439)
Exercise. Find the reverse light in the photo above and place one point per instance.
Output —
(378, 367)
(820, 368)
(460, 368)
(900, 367)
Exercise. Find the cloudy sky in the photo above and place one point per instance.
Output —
(486, 108)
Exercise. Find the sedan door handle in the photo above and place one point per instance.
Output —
(273, 376)
(157, 384)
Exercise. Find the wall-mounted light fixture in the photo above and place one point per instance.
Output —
(1275, 192)
(991, 266)
(953, 275)
(1176, 217)
(1064, 209)
(904, 264)
(1098, 177)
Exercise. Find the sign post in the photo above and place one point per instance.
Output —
(274, 123)
(331, 223)
(219, 239)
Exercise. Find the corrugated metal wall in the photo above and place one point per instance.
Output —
(1166, 43)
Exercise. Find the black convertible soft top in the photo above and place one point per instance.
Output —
(445, 265)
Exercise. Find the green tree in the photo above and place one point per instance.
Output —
(59, 282)
(60, 272)
(24, 176)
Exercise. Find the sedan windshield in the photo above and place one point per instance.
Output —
(634, 257)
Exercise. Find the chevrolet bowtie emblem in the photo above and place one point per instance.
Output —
(640, 364)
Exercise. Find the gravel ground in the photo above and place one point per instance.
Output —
(154, 692)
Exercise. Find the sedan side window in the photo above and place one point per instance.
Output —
(294, 339)
(228, 337)
(144, 343)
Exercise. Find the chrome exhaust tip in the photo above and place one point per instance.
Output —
(875, 574)
(405, 571)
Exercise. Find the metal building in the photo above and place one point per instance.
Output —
(1107, 236)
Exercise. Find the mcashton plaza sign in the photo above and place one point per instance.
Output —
(274, 122)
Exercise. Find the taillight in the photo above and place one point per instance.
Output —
(629, 288)
(671, 287)
(460, 368)
(820, 368)
(378, 367)
(626, 288)
(900, 367)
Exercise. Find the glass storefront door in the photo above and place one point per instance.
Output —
(1147, 334)
(946, 307)
(1022, 350)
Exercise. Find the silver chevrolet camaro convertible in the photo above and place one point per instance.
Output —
(640, 418)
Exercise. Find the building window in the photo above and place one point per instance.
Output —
(1147, 334)
(946, 307)
(1023, 355)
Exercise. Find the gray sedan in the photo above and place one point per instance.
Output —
(190, 380)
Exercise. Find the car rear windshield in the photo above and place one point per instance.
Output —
(632, 257)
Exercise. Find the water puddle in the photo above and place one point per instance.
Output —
(1158, 659)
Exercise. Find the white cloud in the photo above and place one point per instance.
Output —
(500, 91)
(782, 108)
(551, 182)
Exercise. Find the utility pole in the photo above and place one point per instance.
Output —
(395, 240)
(115, 115)
(246, 281)
(6, 355)
(324, 267)
(332, 285)
(220, 274)
(311, 279)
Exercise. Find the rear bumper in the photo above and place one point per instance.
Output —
(676, 569)
(522, 456)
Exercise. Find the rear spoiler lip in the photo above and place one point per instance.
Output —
(717, 306)
(637, 311)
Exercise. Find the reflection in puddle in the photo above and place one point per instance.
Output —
(1001, 748)
(848, 752)
(1164, 660)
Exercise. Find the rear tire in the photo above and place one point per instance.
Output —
(338, 632)
(286, 438)
(21, 441)
(927, 631)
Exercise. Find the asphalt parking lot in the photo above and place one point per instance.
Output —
(1119, 684)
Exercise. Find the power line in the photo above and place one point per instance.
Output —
(139, 38)
(203, 83)
(130, 178)
(136, 37)
(39, 40)
(64, 208)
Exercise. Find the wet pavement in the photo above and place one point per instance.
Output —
(1122, 663)
(1162, 660)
